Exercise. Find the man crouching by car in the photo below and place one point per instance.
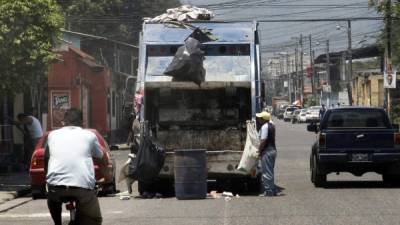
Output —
(70, 170)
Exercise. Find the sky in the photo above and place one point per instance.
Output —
(283, 36)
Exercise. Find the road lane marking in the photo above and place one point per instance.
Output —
(42, 215)
(30, 215)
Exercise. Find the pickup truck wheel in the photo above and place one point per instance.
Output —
(254, 184)
(317, 178)
(391, 179)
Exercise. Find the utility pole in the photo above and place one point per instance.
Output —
(328, 72)
(288, 76)
(313, 73)
(388, 66)
(312, 67)
(294, 76)
(301, 70)
(281, 84)
(296, 63)
(350, 57)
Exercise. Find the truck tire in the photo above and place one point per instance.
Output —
(253, 185)
(317, 178)
(110, 188)
(234, 185)
(391, 179)
(165, 187)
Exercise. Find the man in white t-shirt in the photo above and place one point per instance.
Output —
(70, 170)
(33, 130)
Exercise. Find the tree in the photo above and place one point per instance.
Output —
(115, 19)
(382, 8)
(118, 20)
(29, 30)
(390, 9)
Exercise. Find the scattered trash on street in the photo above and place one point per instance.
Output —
(227, 194)
(214, 194)
(227, 199)
(124, 197)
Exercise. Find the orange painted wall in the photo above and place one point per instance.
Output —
(71, 75)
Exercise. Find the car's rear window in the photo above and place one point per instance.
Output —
(357, 118)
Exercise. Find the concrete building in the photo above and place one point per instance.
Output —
(77, 81)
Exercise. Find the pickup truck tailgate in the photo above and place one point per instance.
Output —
(361, 140)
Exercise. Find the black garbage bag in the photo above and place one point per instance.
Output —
(202, 35)
(187, 64)
(149, 161)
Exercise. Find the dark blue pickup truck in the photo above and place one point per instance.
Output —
(355, 140)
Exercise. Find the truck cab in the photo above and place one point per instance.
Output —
(212, 115)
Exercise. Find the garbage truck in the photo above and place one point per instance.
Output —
(211, 115)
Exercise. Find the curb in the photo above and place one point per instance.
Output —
(15, 202)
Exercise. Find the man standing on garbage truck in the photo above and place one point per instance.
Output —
(267, 153)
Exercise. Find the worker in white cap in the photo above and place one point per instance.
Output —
(267, 153)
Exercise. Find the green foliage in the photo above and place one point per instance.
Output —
(310, 101)
(28, 31)
(382, 7)
(116, 19)
(395, 114)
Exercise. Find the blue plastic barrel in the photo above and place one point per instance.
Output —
(190, 167)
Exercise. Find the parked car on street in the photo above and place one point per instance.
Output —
(280, 113)
(295, 116)
(288, 114)
(313, 114)
(301, 118)
(355, 140)
(105, 175)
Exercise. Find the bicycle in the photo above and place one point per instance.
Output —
(70, 205)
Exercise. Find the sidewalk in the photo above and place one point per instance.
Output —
(13, 185)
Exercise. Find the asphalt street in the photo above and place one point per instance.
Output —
(347, 199)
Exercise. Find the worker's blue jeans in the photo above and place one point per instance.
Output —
(267, 169)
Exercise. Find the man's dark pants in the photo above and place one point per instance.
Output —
(87, 208)
(30, 144)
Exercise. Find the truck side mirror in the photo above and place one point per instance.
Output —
(313, 127)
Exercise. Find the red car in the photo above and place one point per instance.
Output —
(105, 176)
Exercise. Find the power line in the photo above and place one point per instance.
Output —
(241, 3)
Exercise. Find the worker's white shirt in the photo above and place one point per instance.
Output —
(264, 131)
(71, 150)
(35, 129)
